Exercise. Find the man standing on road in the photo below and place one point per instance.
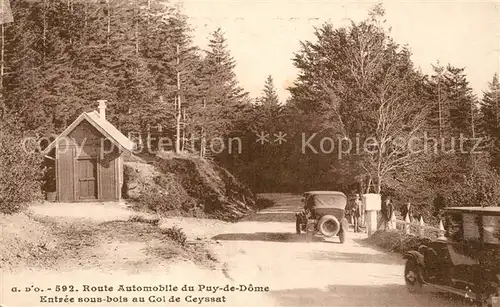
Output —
(386, 213)
(356, 212)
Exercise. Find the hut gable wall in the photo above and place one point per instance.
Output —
(85, 141)
(88, 159)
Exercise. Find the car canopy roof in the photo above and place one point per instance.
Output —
(328, 199)
(325, 192)
(474, 210)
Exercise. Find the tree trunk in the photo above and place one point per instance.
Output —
(2, 67)
(202, 134)
(136, 30)
(179, 107)
(44, 35)
(368, 186)
(70, 10)
(440, 109)
(361, 186)
(183, 148)
(473, 130)
(108, 17)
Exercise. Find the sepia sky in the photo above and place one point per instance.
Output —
(262, 35)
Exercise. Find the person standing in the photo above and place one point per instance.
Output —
(390, 210)
(386, 213)
(356, 212)
(407, 210)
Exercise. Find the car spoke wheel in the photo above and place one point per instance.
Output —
(412, 280)
(330, 226)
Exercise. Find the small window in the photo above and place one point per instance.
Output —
(471, 227)
(107, 146)
(491, 228)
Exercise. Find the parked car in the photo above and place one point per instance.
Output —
(324, 213)
(466, 261)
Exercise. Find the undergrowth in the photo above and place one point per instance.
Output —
(187, 186)
(396, 241)
(176, 234)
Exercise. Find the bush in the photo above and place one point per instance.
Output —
(178, 197)
(188, 186)
(20, 172)
(220, 194)
(480, 188)
(153, 190)
(396, 241)
(144, 219)
(157, 200)
(176, 234)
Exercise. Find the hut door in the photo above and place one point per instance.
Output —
(87, 178)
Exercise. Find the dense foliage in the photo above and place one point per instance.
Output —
(396, 241)
(357, 104)
(20, 169)
(356, 85)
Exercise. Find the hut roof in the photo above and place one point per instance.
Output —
(102, 125)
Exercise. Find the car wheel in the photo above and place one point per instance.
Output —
(412, 279)
(342, 236)
(329, 226)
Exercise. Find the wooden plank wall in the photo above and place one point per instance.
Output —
(108, 176)
(65, 171)
(85, 141)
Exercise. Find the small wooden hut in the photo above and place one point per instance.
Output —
(88, 159)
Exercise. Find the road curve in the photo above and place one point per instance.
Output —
(262, 251)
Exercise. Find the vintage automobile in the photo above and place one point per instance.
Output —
(324, 212)
(465, 261)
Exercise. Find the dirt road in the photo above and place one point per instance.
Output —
(261, 251)
(321, 273)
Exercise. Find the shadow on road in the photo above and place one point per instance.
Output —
(362, 295)
(277, 215)
(283, 208)
(270, 237)
(348, 257)
(365, 243)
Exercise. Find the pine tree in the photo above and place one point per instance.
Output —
(23, 57)
(461, 102)
(267, 109)
(64, 55)
(224, 101)
(269, 95)
(173, 61)
(438, 119)
(490, 120)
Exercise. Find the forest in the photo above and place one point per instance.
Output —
(355, 85)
